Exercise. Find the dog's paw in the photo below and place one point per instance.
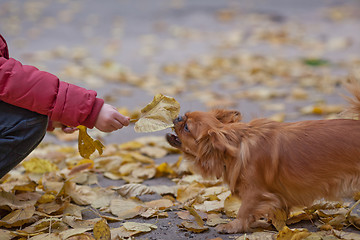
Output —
(235, 226)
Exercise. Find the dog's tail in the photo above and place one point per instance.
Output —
(353, 110)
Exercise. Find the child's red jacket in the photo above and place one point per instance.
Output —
(28, 87)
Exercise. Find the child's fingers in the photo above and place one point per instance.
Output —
(69, 129)
(125, 121)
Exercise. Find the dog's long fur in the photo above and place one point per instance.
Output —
(272, 165)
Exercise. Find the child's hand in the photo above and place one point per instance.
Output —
(63, 127)
(110, 119)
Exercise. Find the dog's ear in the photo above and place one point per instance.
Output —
(222, 141)
(213, 150)
(227, 116)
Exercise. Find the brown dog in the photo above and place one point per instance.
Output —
(272, 165)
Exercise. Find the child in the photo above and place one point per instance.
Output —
(33, 101)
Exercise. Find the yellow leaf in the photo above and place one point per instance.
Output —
(102, 230)
(158, 115)
(46, 198)
(231, 206)
(132, 145)
(292, 234)
(87, 145)
(278, 219)
(29, 187)
(37, 165)
(197, 217)
(164, 169)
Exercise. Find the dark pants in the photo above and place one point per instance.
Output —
(21, 131)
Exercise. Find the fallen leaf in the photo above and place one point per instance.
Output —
(6, 235)
(102, 230)
(292, 234)
(72, 232)
(197, 217)
(160, 204)
(231, 206)
(122, 233)
(18, 217)
(133, 190)
(125, 208)
(215, 219)
(37, 165)
(139, 227)
(279, 218)
(192, 227)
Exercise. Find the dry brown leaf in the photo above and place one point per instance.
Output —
(12, 201)
(75, 222)
(133, 190)
(158, 115)
(54, 206)
(231, 206)
(160, 204)
(125, 208)
(81, 195)
(47, 236)
(197, 217)
(215, 219)
(187, 192)
(139, 227)
(18, 217)
(278, 219)
(150, 212)
(153, 151)
(210, 206)
(73, 232)
(103, 199)
(6, 235)
(192, 227)
(81, 236)
(122, 233)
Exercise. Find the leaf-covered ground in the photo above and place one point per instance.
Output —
(285, 60)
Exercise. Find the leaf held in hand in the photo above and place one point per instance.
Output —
(87, 145)
(158, 115)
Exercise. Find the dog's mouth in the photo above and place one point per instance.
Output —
(173, 140)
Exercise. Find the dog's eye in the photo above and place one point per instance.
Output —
(186, 128)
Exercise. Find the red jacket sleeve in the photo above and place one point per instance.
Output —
(4, 52)
(27, 87)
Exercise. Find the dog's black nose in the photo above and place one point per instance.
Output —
(178, 119)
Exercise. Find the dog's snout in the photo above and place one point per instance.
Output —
(178, 119)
